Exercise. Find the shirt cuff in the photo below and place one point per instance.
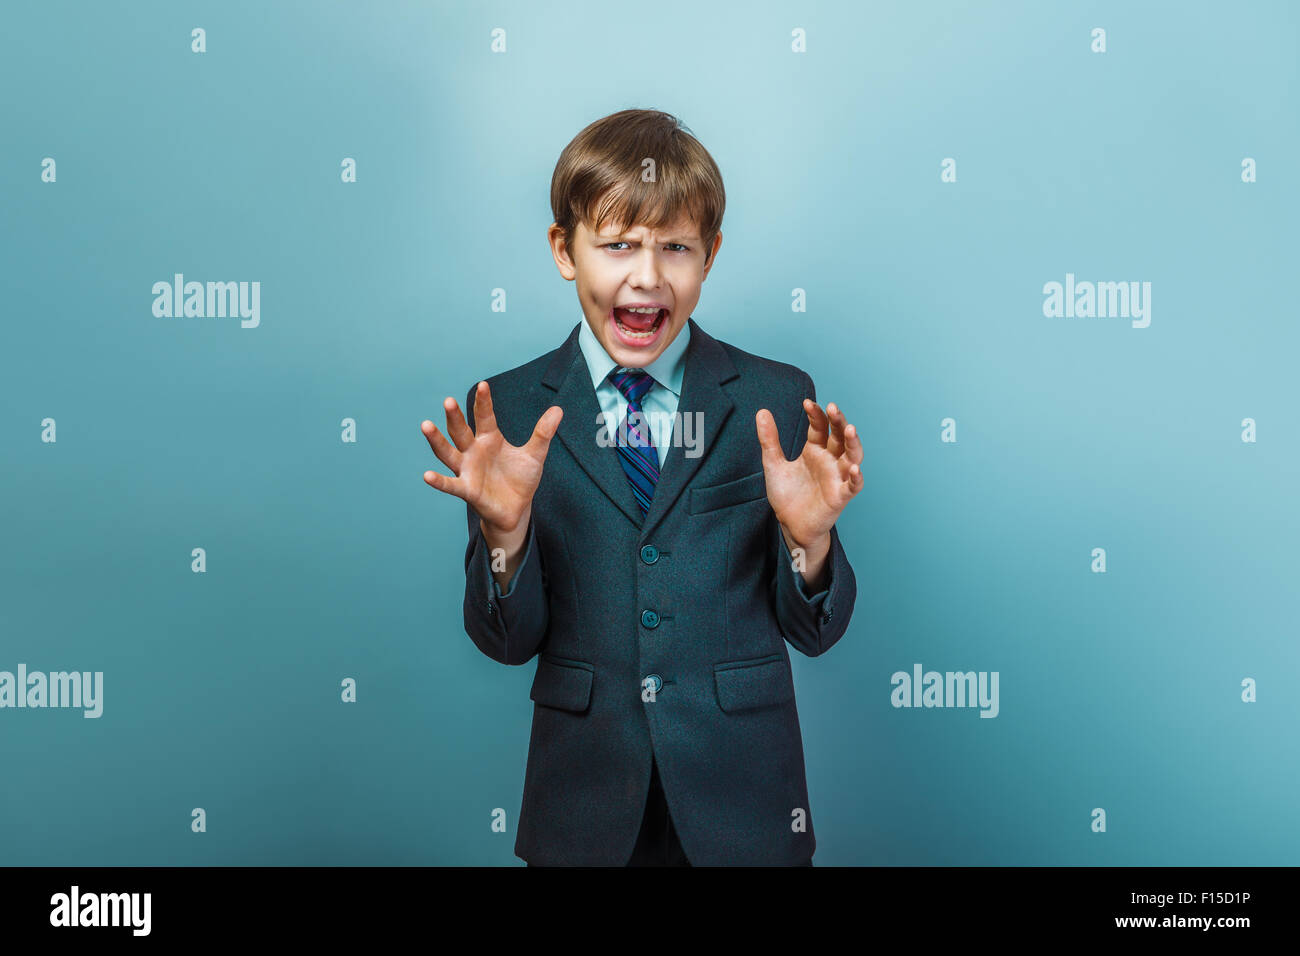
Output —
(528, 549)
(816, 599)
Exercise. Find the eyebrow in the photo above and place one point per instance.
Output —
(622, 237)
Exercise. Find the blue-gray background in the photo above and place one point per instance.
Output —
(329, 560)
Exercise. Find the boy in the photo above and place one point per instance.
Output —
(657, 560)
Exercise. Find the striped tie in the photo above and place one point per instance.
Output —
(636, 447)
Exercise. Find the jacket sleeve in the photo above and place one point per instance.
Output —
(812, 624)
(509, 627)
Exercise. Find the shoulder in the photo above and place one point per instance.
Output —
(519, 378)
(518, 396)
(522, 378)
(774, 377)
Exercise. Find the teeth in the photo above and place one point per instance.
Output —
(641, 310)
(632, 333)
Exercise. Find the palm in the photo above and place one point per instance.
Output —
(808, 494)
(497, 479)
(805, 493)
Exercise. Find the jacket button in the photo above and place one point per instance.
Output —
(492, 608)
(650, 618)
(649, 554)
(826, 618)
(654, 682)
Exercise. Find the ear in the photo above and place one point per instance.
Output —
(560, 251)
(713, 256)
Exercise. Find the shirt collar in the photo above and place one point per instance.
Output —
(667, 370)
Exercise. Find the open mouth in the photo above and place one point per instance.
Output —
(639, 326)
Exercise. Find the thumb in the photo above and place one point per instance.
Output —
(768, 439)
(540, 440)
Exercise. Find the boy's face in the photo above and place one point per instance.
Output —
(618, 268)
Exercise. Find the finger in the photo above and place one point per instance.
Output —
(768, 439)
(452, 486)
(484, 419)
(540, 440)
(852, 453)
(835, 443)
(854, 444)
(817, 422)
(850, 482)
(446, 452)
(457, 428)
(856, 479)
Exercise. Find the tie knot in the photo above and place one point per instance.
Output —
(632, 382)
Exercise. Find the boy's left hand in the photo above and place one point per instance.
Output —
(809, 493)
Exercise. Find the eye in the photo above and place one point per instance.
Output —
(611, 245)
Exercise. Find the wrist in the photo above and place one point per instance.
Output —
(508, 538)
(817, 546)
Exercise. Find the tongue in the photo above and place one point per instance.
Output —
(638, 321)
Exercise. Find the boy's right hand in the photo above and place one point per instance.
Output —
(497, 479)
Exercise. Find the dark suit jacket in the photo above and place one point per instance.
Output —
(700, 592)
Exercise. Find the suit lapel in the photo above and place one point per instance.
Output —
(568, 377)
(707, 366)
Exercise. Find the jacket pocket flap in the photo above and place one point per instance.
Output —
(761, 682)
(748, 488)
(562, 683)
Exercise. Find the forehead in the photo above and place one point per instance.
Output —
(684, 227)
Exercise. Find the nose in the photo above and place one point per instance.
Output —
(645, 271)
